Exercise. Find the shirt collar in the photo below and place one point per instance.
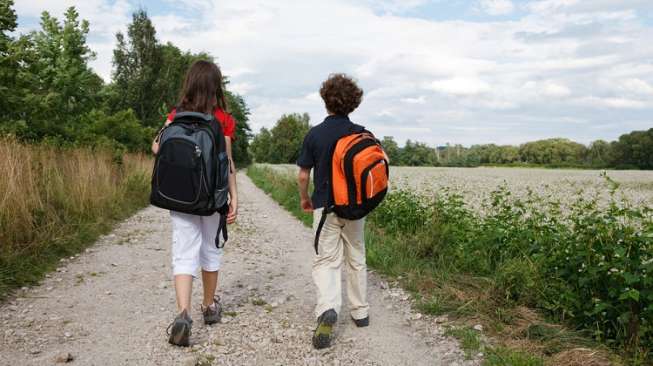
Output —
(337, 117)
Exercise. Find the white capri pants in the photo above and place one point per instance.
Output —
(193, 243)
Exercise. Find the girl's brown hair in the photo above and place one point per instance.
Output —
(203, 90)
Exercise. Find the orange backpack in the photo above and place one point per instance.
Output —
(359, 176)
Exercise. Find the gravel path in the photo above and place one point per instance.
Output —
(111, 305)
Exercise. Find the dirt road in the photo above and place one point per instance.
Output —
(111, 305)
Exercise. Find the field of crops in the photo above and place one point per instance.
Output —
(485, 242)
(476, 184)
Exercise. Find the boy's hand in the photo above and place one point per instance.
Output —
(307, 205)
(233, 212)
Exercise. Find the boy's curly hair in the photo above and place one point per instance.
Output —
(341, 94)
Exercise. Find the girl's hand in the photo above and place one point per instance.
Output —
(233, 212)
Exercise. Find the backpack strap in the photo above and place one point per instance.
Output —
(209, 119)
(328, 205)
(320, 226)
(222, 228)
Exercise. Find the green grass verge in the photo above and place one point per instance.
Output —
(282, 188)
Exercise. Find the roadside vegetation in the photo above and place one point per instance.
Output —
(72, 143)
(49, 93)
(54, 202)
(281, 144)
(549, 285)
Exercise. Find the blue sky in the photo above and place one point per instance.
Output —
(437, 71)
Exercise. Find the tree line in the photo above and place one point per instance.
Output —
(49, 93)
(282, 143)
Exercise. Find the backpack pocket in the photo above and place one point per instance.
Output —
(222, 180)
(180, 173)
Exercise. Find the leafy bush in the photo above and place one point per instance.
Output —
(587, 265)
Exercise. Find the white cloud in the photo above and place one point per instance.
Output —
(554, 61)
(636, 86)
(496, 7)
(419, 100)
(621, 103)
(460, 86)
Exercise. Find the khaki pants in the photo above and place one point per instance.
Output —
(340, 241)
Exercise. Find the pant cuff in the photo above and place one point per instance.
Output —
(321, 309)
(360, 314)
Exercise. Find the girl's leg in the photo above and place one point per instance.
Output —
(210, 257)
(183, 289)
(210, 285)
(186, 244)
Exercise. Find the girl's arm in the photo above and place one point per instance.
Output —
(155, 143)
(233, 189)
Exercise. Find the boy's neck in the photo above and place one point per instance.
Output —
(331, 114)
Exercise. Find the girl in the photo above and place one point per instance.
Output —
(193, 237)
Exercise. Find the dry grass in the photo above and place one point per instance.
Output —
(52, 200)
(581, 357)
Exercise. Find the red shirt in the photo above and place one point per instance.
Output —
(226, 121)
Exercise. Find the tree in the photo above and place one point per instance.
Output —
(634, 150)
(54, 84)
(557, 151)
(599, 154)
(137, 63)
(417, 154)
(283, 143)
(392, 149)
(8, 65)
(239, 110)
(261, 146)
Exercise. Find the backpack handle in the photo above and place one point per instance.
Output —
(194, 115)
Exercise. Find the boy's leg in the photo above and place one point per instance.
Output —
(186, 242)
(210, 257)
(327, 264)
(353, 234)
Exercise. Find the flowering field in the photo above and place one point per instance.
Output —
(476, 184)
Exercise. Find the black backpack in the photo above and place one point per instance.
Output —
(191, 169)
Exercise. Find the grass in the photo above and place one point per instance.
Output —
(547, 285)
(471, 343)
(259, 302)
(282, 189)
(55, 202)
(470, 340)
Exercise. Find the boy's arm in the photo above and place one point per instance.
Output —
(303, 180)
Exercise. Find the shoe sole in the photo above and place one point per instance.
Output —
(360, 323)
(212, 321)
(322, 336)
(180, 334)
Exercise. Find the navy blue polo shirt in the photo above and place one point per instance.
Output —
(316, 149)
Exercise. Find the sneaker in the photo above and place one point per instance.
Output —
(212, 313)
(179, 330)
(362, 323)
(325, 323)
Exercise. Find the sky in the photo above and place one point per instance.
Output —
(435, 71)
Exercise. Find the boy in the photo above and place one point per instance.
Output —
(341, 240)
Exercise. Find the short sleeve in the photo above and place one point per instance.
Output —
(306, 159)
(171, 115)
(228, 124)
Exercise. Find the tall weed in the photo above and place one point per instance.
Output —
(55, 201)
